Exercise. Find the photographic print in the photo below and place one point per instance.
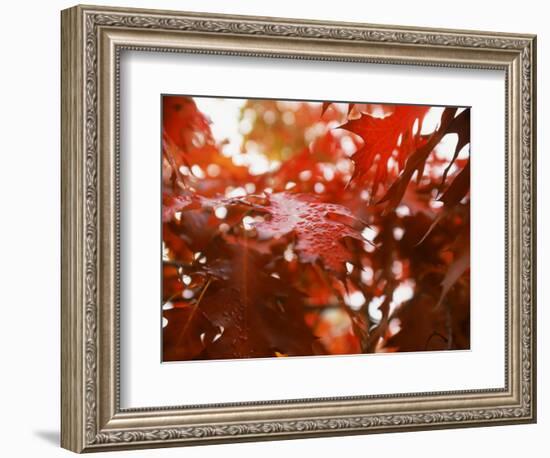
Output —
(310, 228)
(273, 218)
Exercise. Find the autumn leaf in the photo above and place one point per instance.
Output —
(458, 189)
(183, 123)
(308, 238)
(383, 136)
(416, 161)
(461, 127)
(427, 321)
(319, 228)
(313, 164)
(461, 262)
(173, 204)
(251, 314)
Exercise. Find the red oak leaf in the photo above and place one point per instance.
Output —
(181, 120)
(251, 314)
(188, 200)
(460, 264)
(327, 104)
(324, 107)
(172, 204)
(458, 189)
(416, 161)
(319, 228)
(383, 136)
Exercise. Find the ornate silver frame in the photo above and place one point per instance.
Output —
(92, 39)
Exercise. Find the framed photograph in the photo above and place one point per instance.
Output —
(277, 228)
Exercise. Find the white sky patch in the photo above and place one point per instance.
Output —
(270, 117)
(305, 175)
(290, 185)
(220, 212)
(328, 172)
(347, 145)
(436, 204)
(311, 133)
(367, 275)
(197, 171)
(378, 111)
(274, 166)
(460, 110)
(289, 118)
(403, 293)
(354, 300)
(187, 293)
(289, 254)
(397, 268)
(168, 305)
(245, 126)
(392, 163)
(213, 170)
(248, 222)
(431, 120)
(369, 233)
(446, 148)
(402, 211)
(227, 126)
(394, 326)
(398, 233)
(415, 126)
(368, 247)
(256, 162)
(344, 165)
(376, 302)
(235, 192)
(224, 114)
(464, 153)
